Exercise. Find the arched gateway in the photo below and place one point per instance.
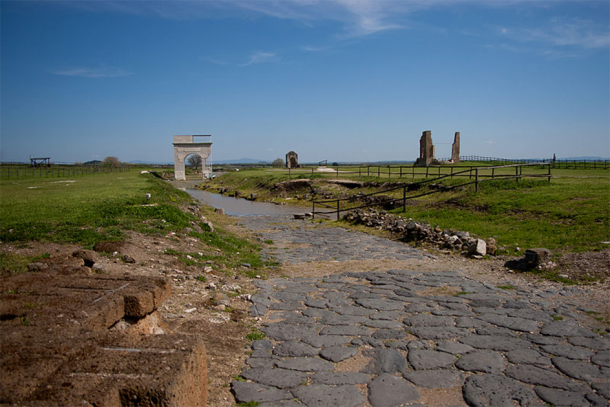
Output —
(185, 146)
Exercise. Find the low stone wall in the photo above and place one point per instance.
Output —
(409, 230)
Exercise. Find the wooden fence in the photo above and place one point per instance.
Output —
(475, 175)
(21, 172)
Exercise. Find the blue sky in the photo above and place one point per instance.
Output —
(337, 80)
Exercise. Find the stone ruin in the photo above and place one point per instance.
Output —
(426, 150)
(292, 160)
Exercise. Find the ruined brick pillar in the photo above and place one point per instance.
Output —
(426, 150)
(455, 148)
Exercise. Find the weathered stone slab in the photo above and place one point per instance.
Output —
(339, 378)
(346, 330)
(578, 370)
(455, 348)
(558, 397)
(305, 364)
(429, 359)
(499, 343)
(388, 361)
(567, 351)
(427, 320)
(389, 334)
(389, 391)
(247, 392)
(338, 353)
(324, 341)
(516, 324)
(566, 328)
(321, 395)
(435, 379)
(542, 377)
(286, 332)
(281, 378)
(485, 361)
(591, 343)
(436, 333)
(295, 349)
(528, 357)
(495, 390)
(601, 358)
(381, 304)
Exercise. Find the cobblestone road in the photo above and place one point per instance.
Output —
(403, 337)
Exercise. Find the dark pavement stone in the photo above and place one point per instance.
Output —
(436, 333)
(246, 392)
(295, 349)
(356, 311)
(568, 351)
(485, 361)
(528, 357)
(427, 320)
(324, 341)
(495, 390)
(262, 344)
(435, 379)
(346, 330)
(338, 378)
(305, 364)
(335, 320)
(387, 361)
(381, 304)
(558, 397)
(338, 353)
(566, 328)
(281, 378)
(579, 370)
(389, 334)
(516, 324)
(542, 377)
(284, 332)
(591, 343)
(455, 348)
(498, 343)
(380, 323)
(321, 395)
(601, 359)
(389, 391)
(430, 359)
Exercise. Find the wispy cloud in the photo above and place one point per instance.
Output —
(561, 36)
(358, 18)
(88, 72)
(261, 57)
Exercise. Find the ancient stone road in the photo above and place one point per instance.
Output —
(412, 338)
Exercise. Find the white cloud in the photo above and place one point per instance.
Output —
(261, 57)
(88, 72)
(562, 32)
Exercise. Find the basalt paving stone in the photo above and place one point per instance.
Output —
(321, 395)
(495, 390)
(280, 378)
(542, 377)
(505, 342)
(568, 351)
(338, 353)
(305, 364)
(484, 361)
(527, 357)
(295, 349)
(430, 359)
(246, 392)
(580, 370)
(435, 379)
(558, 397)
(338, 378)
(388, 391)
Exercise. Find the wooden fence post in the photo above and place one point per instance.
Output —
(476, 180)
(404, 198)
(549, 176)
(338, 210)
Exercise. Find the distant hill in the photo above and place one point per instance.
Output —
(241, 161)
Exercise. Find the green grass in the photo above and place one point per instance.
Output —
(101, 207)
(89, 209)
(571, 213)
(255, 335)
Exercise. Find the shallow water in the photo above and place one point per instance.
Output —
(243, 207)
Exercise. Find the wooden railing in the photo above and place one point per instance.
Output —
(475, 175)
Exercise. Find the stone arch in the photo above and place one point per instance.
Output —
(185, 146)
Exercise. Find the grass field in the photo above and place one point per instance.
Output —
(570, 213)
(88, 209)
